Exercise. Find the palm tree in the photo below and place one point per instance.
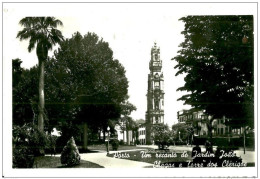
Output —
(42, 33)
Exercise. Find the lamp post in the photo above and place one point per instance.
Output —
(108, 129)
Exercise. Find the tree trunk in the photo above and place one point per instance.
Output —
(41, 96)
(210, 134)
(127, 138)
(85, 136)
(124, 136)
(99, 135)
(244, 140)
(104, 135)
(229, 134)
(210, 127)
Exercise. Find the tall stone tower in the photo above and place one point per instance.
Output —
(155, 93)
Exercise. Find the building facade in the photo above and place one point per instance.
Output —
(141, 134)
(199, 120)
(155, 93)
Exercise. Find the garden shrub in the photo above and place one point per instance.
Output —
(70, 154)
(28, 142)
(137, 142)
(22, 157)
(22, 152)
(67, 131)
(115, 144)
(39, 141)
(51, 147)
(121, 142)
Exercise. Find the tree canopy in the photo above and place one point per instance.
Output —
(217, 58)
(161, 135)
(86, 82)
(24, 93)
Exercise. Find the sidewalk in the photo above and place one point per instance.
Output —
(248, 157)
(109, 162)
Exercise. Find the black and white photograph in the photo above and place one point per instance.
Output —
(129, 89)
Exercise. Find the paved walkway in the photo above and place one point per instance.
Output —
(100, 158)
(248, 157)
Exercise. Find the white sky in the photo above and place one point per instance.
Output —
(130, 30)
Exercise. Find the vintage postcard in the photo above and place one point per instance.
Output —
(130, 89)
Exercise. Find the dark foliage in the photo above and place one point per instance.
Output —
(86, 83)
(24, 94)
(115, 144)
(70, 154)
(67, 131)
(217, 58)
(28, 142)
(162, 136)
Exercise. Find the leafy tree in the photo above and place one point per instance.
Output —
(42, 33)
(24, 95)
(87, 86)
(161, 135)
(181, 132)
(217, 58)
(17, 71)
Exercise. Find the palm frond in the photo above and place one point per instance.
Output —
(40, 30)
(56, 36)
(26, 22)
(32, 43)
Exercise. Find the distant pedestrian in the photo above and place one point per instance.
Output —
(196, 154)
(196, 150)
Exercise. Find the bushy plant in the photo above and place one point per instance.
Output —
(22, 157)
(22, 152)
(121, 142)
(39, 141)
(137, 142)
(161, 135)
(70, 154)
(115, 144)
(51, 149)
(28, 142)
(67, 131)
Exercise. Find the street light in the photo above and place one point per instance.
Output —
(108, 129)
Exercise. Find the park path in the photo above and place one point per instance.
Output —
(100, 158)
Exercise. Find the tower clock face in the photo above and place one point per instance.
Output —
(156, 75)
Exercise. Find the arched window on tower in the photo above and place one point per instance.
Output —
(156, 84)
(156, 57)
(156, 119)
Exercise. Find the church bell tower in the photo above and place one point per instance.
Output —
(155, 93)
